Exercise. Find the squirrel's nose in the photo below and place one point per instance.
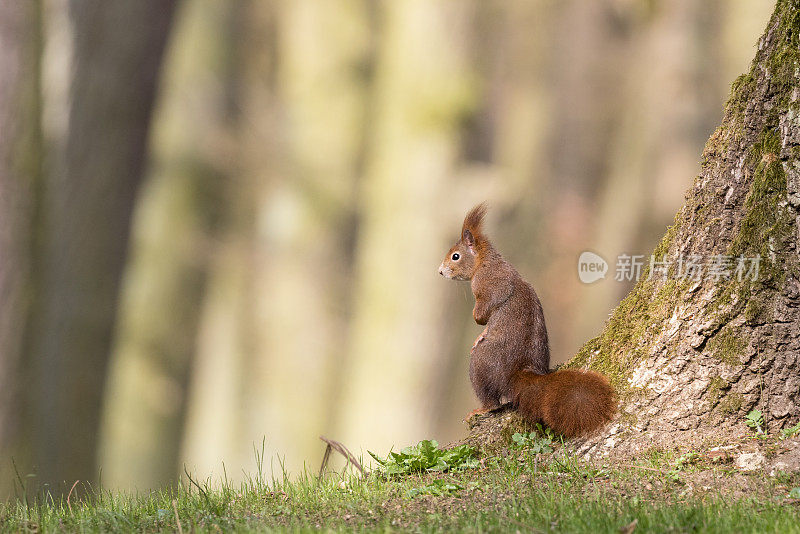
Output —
(441, 270)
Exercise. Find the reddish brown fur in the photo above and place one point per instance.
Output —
(514, 347)
(572, 402)
(473, 224)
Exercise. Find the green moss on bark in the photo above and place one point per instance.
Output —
(726, 346)
(732, 403)
(766, 228)
(624, 340)
(758, 310)
(741, 91)
(715, 388)
(767, 222)
(662, 249)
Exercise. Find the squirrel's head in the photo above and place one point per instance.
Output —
(463, 258)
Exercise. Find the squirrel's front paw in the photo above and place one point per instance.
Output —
(479, 316)
(480, 338)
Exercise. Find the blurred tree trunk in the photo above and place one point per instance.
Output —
(667, 114)
(691, 357)
(586, 106)
(322, 74)
(20, 171)
(183, 209)
(421, 96)
(503, 155)
(220, 409)
(88, 205)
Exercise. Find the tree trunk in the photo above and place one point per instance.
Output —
(20, 154)
(307, 192)
(691, 357)
(408, 167)
(184, 204)
(665, 118)
(118, 49)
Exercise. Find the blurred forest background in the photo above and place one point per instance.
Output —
(221, 221)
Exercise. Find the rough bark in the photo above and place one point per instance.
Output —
(117, 49)
(691, 357)
(20, 147)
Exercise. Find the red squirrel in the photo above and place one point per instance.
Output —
(510, 359)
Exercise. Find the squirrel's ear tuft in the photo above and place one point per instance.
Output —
(473, 224)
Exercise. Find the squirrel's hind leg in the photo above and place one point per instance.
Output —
(481, 374)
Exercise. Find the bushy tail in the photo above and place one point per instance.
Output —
(572, 402)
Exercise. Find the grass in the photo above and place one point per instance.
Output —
(524, 489)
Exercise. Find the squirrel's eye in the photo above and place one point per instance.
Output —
(456, 256)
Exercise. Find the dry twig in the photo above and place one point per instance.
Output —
(341, 449)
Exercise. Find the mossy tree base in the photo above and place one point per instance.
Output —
(491, 432)
(691, 357)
